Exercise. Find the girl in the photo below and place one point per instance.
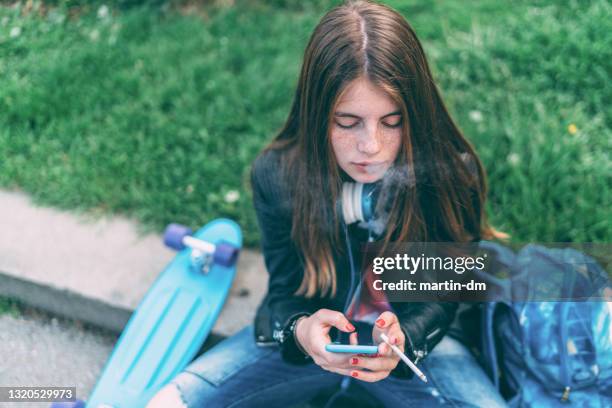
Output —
(365, 110)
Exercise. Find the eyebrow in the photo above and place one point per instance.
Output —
(350, 115)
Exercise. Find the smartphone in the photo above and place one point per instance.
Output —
(350, 348)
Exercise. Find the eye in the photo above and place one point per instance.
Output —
(393, 124)
(347, 124)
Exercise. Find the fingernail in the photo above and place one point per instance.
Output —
(380, 322)
(394, 340)
(354, 361)
(354, 374)
(350, 327)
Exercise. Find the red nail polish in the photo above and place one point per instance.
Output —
(350, 327)
(355, 374)
(380, 322)
(354, 361)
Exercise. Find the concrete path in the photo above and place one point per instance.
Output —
(97, 270)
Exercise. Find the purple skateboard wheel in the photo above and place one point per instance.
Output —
(225, 254)
(174, 234)
(72, 404)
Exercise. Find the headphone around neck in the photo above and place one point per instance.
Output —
(359, 201)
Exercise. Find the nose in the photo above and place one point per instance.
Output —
(369, 141)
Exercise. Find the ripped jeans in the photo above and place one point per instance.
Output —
(238, 373)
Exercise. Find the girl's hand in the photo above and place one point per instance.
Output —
(380, 366)
(312, 333)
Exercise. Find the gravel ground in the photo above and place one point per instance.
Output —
(38, 350)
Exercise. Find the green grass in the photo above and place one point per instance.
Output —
(9, 306)
(157, 114)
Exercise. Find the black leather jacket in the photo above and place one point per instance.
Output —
(424, 324)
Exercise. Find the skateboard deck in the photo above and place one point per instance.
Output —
(169, 326)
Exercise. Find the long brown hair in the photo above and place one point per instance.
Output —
(446, 201)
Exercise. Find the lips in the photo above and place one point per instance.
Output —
(369, 167)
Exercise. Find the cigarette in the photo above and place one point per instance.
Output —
(405, 359)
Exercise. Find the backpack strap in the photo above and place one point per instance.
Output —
(489, 352)
(499, 290)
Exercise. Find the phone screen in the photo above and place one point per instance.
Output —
(349, 348)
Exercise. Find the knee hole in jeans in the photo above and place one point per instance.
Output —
(169, 396)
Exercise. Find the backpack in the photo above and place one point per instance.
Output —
(548, 353)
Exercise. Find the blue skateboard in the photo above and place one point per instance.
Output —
(173, 319)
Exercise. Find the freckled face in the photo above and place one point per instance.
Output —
(366, 131)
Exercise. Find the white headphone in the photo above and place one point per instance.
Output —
(359, 201)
